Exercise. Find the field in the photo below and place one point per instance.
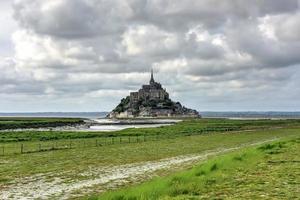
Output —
(95, 162)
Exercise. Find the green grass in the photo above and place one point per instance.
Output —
(270, 171)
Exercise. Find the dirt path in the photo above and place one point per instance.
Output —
(41, 187)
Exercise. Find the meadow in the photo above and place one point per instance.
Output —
(68, 156)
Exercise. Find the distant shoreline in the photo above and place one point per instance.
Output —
(205, 114)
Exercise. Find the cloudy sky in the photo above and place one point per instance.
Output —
(84, 55)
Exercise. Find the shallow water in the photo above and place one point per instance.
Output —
(122, 127)
(116, 125)
(107, 125)
(135, 121)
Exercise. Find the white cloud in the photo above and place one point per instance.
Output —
(148, 40)
(285, 27)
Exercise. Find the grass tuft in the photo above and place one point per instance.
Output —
(214, 167)
(239, 157)
(200, 173)
(275, 148)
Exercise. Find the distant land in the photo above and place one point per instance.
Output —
(205, 114)
(92, 115)
(252, 114)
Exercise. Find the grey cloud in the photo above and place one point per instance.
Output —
(212, 13)
(246, 37)
(242, 33)
(72, 18)
(86, 18)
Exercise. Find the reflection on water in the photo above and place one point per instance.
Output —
(116, 125)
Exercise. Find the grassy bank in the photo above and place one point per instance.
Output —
(270, 171)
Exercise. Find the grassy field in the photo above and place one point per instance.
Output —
(26, 122)
(80, 159)
(188, 127)
(184, 138)
(16, 142)
(270, 171)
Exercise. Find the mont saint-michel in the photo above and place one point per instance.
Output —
(151, 101)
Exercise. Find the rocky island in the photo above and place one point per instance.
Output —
(150, 101)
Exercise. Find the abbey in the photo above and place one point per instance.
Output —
(153, 91)
(150, 101)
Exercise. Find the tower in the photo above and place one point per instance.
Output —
(152, 79)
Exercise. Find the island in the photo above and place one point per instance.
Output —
(151, 101)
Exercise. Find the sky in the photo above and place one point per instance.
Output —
(211, 55)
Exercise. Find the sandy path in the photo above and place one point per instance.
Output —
(39, 187)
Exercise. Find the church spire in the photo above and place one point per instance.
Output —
(152, 79)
